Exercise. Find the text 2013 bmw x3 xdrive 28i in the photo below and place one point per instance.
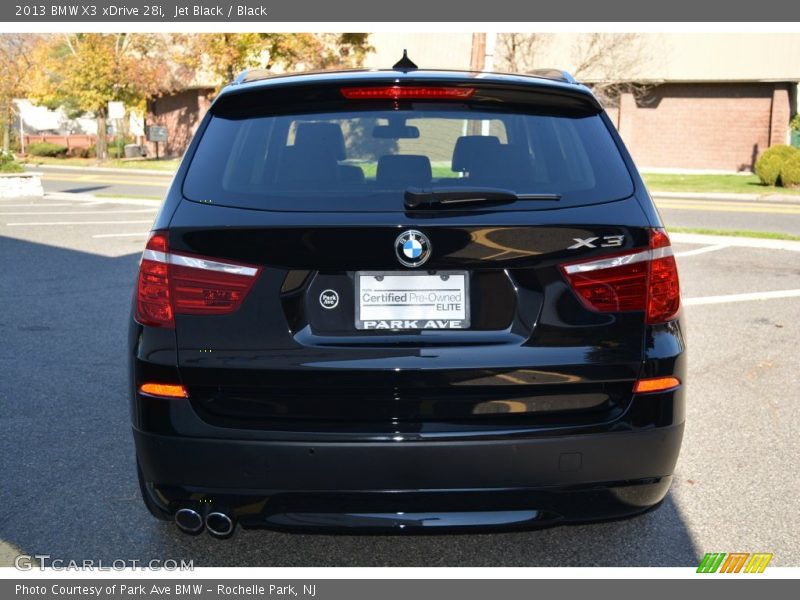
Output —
(406, 300)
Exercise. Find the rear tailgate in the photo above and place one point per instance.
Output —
(531, 355)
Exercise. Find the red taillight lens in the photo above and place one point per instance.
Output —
(664, 294)
(177, 283)
(640, 280)
(153, 303)
(397, 92)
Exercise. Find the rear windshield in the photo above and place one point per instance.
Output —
(365, 160)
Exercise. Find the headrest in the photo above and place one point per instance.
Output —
(471, 150)
(404, 170)
(321, 135)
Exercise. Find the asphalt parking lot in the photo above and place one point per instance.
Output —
(69, 489)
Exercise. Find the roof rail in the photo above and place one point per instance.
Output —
(249, 75)
(555, 74)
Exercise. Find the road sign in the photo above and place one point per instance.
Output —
(157, 133)
(116, 110)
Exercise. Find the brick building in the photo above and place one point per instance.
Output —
(704, 125)
(714, 102)
(180, 113)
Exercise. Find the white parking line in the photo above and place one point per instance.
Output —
(116, 235)
(741, 297)
(81, 212)
(34, 205)
(36, 224)
(702, 250)
(739, 242)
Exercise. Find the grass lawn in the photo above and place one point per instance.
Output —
(149, 164)
(738, 184)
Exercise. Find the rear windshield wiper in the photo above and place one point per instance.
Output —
(457, 197)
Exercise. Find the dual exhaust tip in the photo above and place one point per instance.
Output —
(218, 524)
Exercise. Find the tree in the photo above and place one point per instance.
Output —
(224, 55)
(613, 62)
(515, 52)
(15, 57)
(84, 72)
(610, 62)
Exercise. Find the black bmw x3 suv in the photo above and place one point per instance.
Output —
(405, 300)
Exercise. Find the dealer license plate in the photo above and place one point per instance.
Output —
(405, 300)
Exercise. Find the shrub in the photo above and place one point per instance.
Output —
(9, 164)
(770, 164)
(790, 172)
(46, 149)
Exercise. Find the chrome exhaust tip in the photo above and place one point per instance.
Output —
(219, 524)
(189, 520)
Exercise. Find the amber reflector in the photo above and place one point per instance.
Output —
(167, 390)
(655, 384)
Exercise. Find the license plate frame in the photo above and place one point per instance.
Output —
(402, 318)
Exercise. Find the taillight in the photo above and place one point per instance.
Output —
(397, 92)
(153, 302)
(640, 280)
(173, 283)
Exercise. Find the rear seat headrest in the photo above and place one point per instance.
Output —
(321, 135)
(404, 170)
(470, 150)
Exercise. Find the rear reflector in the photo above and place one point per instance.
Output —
(166, 390)
(396, 92)
(655, 384)
(640, 280)
(177, 283)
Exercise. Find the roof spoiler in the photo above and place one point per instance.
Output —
(554, 74)
(249, 75)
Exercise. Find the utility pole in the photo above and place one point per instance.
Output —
(478, 58)
(482, 59)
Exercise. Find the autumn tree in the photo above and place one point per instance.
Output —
(15, 52)
(84, 72)
(224, 55)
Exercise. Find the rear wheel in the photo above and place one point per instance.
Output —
(152, 507)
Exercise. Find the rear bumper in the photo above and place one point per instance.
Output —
(389, 486)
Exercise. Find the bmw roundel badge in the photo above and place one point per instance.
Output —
(413, 248)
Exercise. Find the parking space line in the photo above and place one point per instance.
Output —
(734, 241)
(36, 224)
(116, 235)
(34, 205)
(702, 250)
(741, 297)
(82, 212)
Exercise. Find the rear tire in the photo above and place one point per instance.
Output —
(152, 507)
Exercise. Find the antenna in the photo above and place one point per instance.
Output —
(405, 63)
